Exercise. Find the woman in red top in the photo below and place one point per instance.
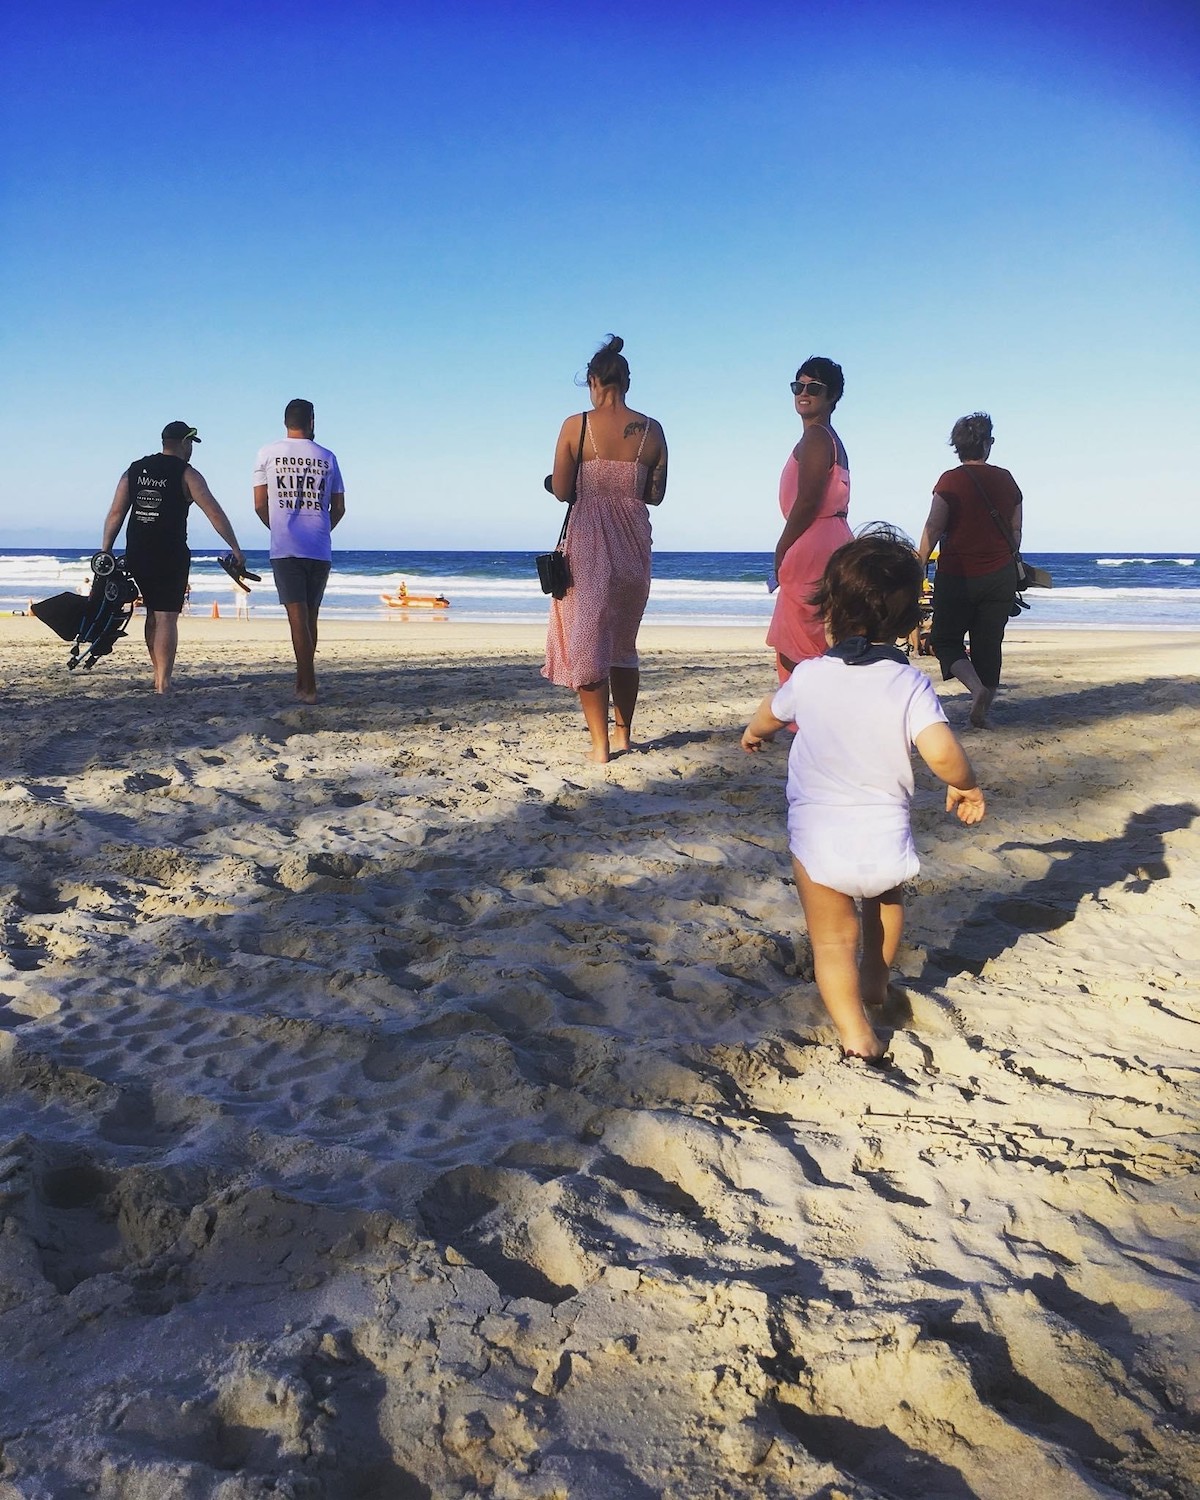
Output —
(976, 519)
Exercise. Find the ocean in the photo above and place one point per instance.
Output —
(1095, 591)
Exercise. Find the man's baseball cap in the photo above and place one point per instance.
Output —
(178, 431)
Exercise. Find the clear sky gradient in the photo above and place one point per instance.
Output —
(424, 217)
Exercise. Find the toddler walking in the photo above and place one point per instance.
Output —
(858, 711)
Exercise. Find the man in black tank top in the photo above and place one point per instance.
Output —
(155, 492)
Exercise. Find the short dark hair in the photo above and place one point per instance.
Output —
(970, 436)
(608, 366)
(820, 368)
(298, 413)
(872, 586)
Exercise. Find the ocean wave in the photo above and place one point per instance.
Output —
(14, 569)
(1094, 591)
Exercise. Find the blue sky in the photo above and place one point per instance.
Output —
(425, 218)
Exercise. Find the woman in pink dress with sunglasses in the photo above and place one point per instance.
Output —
(814, 496)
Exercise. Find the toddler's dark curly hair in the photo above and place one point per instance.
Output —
(872, 586)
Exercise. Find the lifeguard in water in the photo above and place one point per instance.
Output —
(402, 599)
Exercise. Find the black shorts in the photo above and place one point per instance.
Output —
(300, 580)
(162, 582)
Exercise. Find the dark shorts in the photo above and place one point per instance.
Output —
(162, 582)
(300, 580)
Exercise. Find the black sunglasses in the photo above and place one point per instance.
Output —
(809, 387)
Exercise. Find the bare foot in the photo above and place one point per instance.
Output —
(892, 1008)
(873, 984)
(861, 1041)
(880, 1060)
(598, 757)
(980, 704)
(306, 697)
(619, 739)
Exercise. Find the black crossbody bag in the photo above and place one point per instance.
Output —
(554, 574)
(1028, 577)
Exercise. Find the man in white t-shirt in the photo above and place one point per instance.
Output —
(299, 495)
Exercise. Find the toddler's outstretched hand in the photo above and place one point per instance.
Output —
(761, 727)
(968, 805)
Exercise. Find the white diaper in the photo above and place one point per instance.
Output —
(860, 851)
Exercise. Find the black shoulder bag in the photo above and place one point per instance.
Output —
(554, 574)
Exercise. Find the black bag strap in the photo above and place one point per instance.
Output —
(562, 535)
(995, 515)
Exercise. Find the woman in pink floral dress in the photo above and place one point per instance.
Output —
(591, 643)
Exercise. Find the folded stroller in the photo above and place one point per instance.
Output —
(93, 624)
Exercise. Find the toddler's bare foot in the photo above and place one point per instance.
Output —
(869, 1059)
(873, 982)
(893, 1008)
(860, 1041)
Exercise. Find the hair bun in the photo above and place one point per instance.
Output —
(608, 365)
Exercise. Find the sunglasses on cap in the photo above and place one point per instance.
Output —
(808, 387)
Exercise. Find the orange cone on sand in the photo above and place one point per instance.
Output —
(216, 610)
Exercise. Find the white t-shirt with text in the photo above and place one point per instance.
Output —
(301, 478)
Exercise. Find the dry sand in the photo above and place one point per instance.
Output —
(395, 1105)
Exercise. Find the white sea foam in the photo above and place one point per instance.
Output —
(1086, 591)
(15, 572)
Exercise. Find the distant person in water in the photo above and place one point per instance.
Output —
(859, 710)
(300, 497)
(155, 493)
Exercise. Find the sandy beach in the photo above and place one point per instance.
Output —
(396, 1106)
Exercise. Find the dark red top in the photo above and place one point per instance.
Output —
(972, 543)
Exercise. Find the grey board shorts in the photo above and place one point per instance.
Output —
(300, 580)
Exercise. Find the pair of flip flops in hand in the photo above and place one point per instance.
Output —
(238, 574)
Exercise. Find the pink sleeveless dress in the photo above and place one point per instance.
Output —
(608, 551)
(797, 630)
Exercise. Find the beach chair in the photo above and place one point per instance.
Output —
(94, 622)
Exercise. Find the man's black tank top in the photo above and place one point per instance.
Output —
(158, 510)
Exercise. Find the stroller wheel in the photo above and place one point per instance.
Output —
(103, 563)
(112, 589)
